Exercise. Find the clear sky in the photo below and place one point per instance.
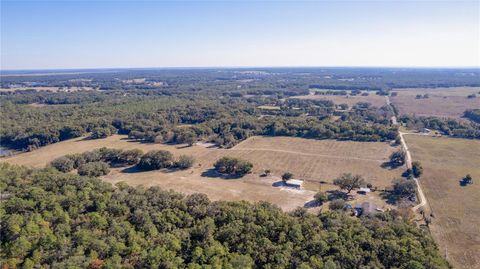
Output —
(102, 34)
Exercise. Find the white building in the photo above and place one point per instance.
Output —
(296, 183)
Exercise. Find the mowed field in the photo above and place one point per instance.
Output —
(372, 98)
(312, 160)
(442, 102)
(456, 222)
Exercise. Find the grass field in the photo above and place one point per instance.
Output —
(456, 222)
(372, 98)
(442, 102)
(312, 160)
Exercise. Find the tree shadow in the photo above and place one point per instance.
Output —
(390, 198)
(336, 194)
(312, 204)
(279, 183)
(212, 173)
(390, 165)
(132, 169)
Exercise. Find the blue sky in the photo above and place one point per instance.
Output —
(101, 34)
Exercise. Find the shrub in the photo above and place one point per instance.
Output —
(155, 159)
(397, 158)
(77, 159)
(321, 197)
(337, 204)
(63, 164)
(184, 162)
(233, 166)
(286, 176)
(404, 188)
(417, 169)
(98, 133)
(94, 169)
(130, 157)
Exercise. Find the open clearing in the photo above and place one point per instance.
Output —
(372, 98)
(442, 102)
(456, 222)
(312, 160)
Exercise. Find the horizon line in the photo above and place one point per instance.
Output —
(240, 67)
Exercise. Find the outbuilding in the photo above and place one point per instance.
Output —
(296, 183)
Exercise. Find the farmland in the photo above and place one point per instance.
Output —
(456, 222)
(441, 102)
(312, 160)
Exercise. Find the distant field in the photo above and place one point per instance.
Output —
(51, 89)
(442, 102)
(372, 98)
(456, 222)
(312, 160)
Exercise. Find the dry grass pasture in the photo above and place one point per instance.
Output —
(456, 222)
(442, 102)
(372, 98)
(312, 160)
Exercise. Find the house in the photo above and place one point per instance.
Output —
(296, 183)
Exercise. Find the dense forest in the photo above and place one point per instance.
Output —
(221, 119)
(61, 220)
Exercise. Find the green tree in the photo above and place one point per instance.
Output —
(349, 182)
(233, 166)
(155, 159)
(63, 164)
(397, 158)
(94, 169)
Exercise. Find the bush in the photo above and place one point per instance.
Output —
(77, 159)
(155, 159)
(286, 176)
(417, 169)
(337, 204)
(98, 133)
(233, 166)
(404, 188)
(94, 169)
(92, 156)
(184, 162)
(397, 158)
(130, 157)
(63, 164)
(320, 197)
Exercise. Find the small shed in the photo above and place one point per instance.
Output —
(364, 190)
(296, 183)
(425, 130)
